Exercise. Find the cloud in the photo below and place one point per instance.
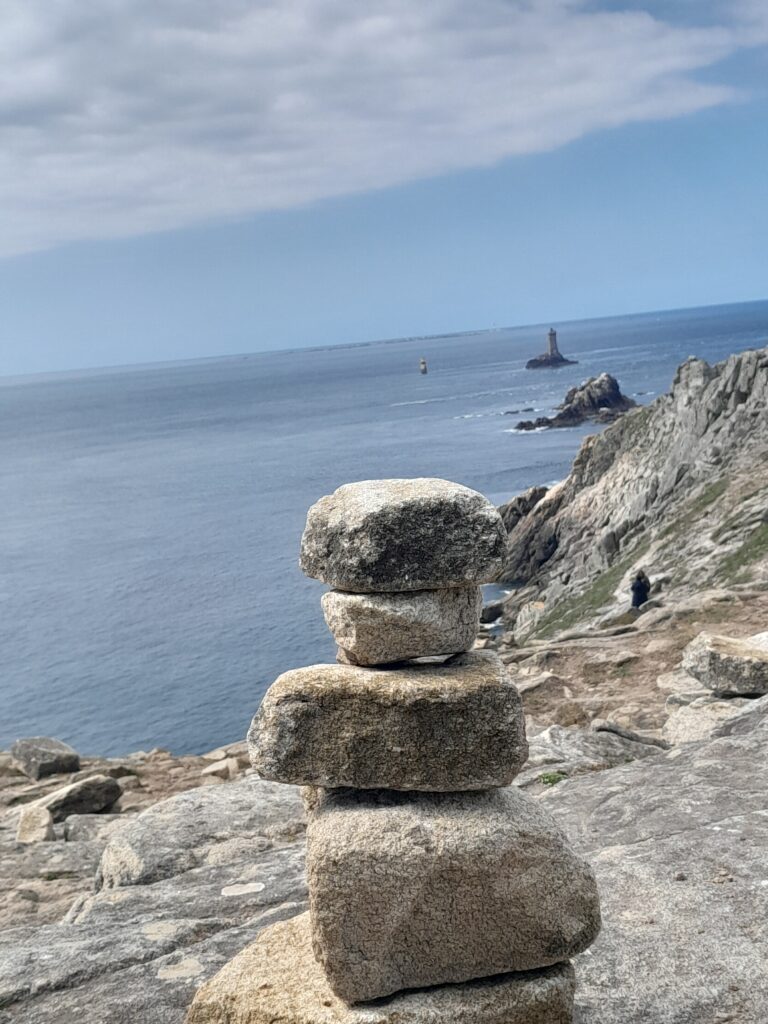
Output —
(131, 116)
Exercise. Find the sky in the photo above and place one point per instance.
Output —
(187, 178)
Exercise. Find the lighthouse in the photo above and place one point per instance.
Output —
(552, 357)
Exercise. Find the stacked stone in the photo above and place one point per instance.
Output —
(425, 870)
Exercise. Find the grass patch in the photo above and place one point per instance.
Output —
(754, 548)
(552, 778)
(696, 508)
(573, 610)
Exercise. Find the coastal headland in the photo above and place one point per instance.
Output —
(646, 731)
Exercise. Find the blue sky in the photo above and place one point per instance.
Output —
(182, 180)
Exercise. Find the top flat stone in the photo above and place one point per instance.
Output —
(402, 535)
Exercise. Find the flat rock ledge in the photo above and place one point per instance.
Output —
(677, 842)
(378, 629)
(278, 979)
(726, 665)
(403, 535)
(442, 727)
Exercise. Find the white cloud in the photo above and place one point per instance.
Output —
(129, 116)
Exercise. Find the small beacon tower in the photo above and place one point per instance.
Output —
(552, 349)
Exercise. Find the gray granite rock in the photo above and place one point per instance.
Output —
(87, 796)
(278, 979)
(186, 830)
(402, 535)
(726, 665)
(38, 756)
(376, 629)
(409, 890)
(557, 751)
(678, 846)
(700, 718)
(449, 727)
(35, 825)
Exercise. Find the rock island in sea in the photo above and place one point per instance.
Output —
(552, 357)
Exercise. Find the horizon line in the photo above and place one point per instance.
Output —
(107, 368)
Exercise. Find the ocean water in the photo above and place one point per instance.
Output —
(151, 516)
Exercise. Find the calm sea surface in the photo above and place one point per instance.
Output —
(149, 589)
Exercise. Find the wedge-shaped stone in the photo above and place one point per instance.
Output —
(40, 756)
(448, 726)
(727, 665)
(277, 979)
(377, 629)
(402, 535)
(408, 890)
(87, 796)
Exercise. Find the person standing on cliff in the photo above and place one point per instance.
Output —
(641, 588)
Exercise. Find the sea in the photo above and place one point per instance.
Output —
(151, 515)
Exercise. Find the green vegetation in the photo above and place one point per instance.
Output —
(584, 606)
(552, 778)
(734, 567)
(633, 425)
(696, 508)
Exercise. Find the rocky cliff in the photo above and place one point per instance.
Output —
(675, 487)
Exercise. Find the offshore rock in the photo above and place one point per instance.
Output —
(448, 726)
(38, 756)
(726, 665)
(278, 979)
(402, 535)
(483, 883)
(599, 399)
(376, 629)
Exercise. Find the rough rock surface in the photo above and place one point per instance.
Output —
(726, 665)
(598, 398)
(35, 825)
(227, 865)
(38, 756)
(483, 883)
(402, 535)
(700, 718)
(376, 629)
(447, 726)
(277, 978)
(677, 841)
(87, 796)
(678, 846)
(557, 752)
(181, 833)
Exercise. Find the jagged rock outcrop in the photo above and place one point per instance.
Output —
(599, 399)
(671, 485)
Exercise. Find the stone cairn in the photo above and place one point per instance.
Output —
(435, 889)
